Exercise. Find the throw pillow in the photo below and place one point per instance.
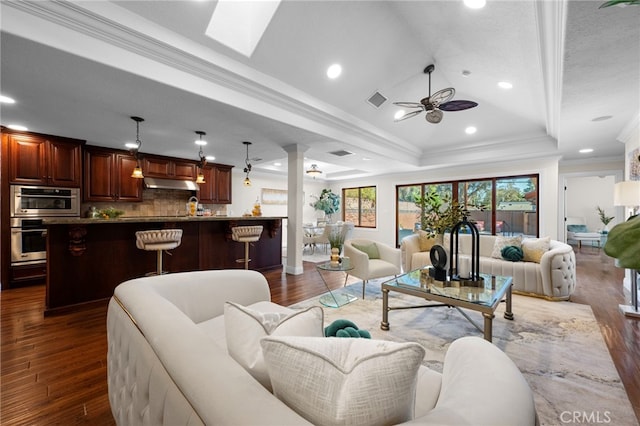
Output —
(335, 381)
(512, 253)
(502, 242)
(345, 328)
(245, 327)
(534, 248)
(370, 249)
(424, 241)
(577, 228)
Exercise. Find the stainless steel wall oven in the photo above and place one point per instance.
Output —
(30, 205)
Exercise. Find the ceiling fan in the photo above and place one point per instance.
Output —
(436, 103)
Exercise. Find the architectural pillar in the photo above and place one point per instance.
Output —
(295, 202)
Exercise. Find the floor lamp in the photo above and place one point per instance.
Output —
(627, 194)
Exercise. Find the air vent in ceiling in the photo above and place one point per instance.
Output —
(377, 99)
(341, 153)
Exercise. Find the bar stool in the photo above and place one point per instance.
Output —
(158, 240)
(246, 235)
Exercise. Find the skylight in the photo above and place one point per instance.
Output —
(241, 24)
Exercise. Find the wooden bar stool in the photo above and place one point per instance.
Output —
(158, 240)
(246, 235)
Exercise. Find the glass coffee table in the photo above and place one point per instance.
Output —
(454, 294)
(337, 298)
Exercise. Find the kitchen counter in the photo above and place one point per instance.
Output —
(142, 219)
(87, 258)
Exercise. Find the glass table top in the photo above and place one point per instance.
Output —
(488, 293)
(344, 265)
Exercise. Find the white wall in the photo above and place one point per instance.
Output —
(583, 194)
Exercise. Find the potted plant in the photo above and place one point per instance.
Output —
(604, 219)
(623, 243)
(328, 202)
(439, 213)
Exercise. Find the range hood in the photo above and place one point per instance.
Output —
(181, 185)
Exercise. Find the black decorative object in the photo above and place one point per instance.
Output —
(439, 261)
(474, 279)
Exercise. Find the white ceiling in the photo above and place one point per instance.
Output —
(81, 69)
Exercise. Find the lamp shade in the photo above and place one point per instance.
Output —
(627, 193)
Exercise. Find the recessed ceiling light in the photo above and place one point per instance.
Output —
(470, 130)
(200, 142)
(210, 158)
(277, 164)
(7, 100)
(131, 145)
(505, 85)
(399, 113)
(602, 118)
(366, 159)
(586, 150)
(18, 127)
(475, 4)
(466, 73)
(334, 71)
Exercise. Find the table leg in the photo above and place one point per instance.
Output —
(508, 314)
(384, 325)
(488, 326)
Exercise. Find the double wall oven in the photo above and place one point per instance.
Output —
(30, 205)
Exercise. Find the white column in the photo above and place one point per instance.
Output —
(295, 201)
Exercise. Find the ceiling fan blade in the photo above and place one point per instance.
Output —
(408, 115)
(442, 96)
(408, 104)
(457, 105)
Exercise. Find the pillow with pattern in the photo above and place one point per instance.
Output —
(502, 242)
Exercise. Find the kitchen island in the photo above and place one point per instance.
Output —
(88, 258)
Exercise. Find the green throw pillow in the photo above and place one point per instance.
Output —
(370, 249)
(345, 328)
(512, 253)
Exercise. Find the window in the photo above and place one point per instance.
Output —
(498, 206)
(360, 206)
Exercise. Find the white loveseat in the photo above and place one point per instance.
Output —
(168, 363)
(554, 278)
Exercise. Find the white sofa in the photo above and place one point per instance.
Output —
(554, 278)
(168, 363)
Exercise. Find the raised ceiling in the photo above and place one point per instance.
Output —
(81, 69)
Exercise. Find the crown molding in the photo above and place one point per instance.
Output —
(630, 129)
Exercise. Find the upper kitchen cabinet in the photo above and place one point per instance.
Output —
(168, 168)
(217, 186)
(107, 176)
(44, 160)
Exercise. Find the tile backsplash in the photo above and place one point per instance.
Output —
(155, 202)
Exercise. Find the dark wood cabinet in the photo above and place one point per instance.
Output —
(41, 160)
(168, 168)
(217, 186)
(107, 176)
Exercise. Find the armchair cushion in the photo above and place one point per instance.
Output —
(370, 249)
(577, 228)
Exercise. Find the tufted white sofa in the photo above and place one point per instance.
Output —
(168, 363)
(554, 278)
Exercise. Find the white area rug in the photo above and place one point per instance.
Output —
(556, 345)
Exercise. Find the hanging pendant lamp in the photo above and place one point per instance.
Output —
(137, 171)
(203, 160)
(314, 171)
(247, 169)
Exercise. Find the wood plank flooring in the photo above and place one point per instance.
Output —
(53, 369)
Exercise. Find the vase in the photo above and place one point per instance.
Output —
(335, 256)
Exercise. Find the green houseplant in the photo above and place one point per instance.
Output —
(623, 243)
(328, 202)
(438, 213)
(603, 217)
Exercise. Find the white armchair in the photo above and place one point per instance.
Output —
(387, 262)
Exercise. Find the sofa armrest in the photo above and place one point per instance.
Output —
(558, 269)
(408, 246)
(478, 382)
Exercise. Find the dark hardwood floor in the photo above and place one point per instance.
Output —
(53, 369)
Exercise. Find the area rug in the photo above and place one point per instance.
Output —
(556, 345)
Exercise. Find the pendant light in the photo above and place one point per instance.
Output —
(137, 171)
(203, 160)
(314, 171)
(247, 169)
